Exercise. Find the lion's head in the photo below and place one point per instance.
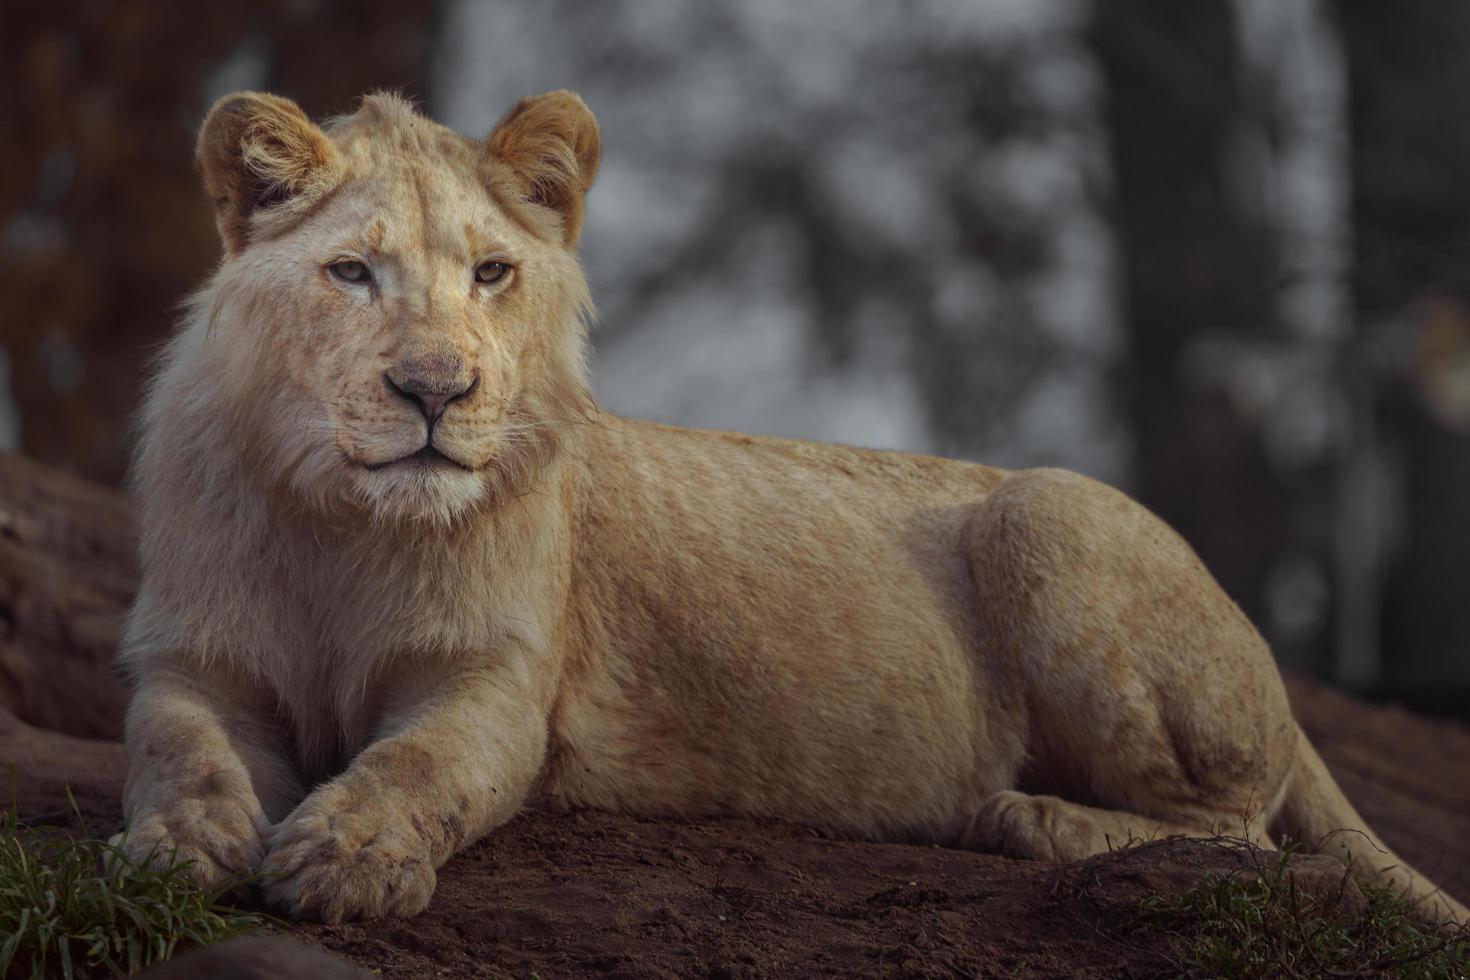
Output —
(396, 327)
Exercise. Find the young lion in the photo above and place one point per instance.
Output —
(400, 571)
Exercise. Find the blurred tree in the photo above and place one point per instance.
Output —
(1199, 264)
(1411, 210)
(104, 225)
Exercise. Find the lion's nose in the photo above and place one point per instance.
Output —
(431, 395)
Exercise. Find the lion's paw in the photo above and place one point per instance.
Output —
(332, 864)
(1014, 824)
(220, 840)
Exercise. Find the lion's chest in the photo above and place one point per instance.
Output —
(353, 649)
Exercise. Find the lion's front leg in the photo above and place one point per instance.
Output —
(205, 774)
(456, 760)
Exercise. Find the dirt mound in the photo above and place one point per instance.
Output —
(584, 894)
(592, 894)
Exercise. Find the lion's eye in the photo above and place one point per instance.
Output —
(350, 270)
(488, 272)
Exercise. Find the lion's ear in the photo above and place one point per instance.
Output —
(258, 152)
(552, 145)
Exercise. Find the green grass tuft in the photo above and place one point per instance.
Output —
(79, 907)
(1257, 924)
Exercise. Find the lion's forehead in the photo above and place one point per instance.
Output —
(418, 197)
(418, 206)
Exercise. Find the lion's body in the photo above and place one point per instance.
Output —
(354, 658)
(823, 658)
(833, 664)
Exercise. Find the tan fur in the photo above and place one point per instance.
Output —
(351, 663)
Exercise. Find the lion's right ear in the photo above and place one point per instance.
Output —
(552, 146)
(259, 152)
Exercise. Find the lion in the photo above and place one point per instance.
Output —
(401, 573)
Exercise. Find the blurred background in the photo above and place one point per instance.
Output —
(1216, 253)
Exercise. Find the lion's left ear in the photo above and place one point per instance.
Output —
(258, 152)
(552, 145)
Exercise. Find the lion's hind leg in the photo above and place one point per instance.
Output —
(1152, 707)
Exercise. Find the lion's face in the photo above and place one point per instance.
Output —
(405, 335)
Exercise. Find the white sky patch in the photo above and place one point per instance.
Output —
(717, 360)
(1293, 55)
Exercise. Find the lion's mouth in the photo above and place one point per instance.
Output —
(426, 457)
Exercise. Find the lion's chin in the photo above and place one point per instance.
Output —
(426, 487)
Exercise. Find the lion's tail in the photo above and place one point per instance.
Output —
(1316, 813)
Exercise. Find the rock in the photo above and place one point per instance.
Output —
(68, 572)
(257, 958)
